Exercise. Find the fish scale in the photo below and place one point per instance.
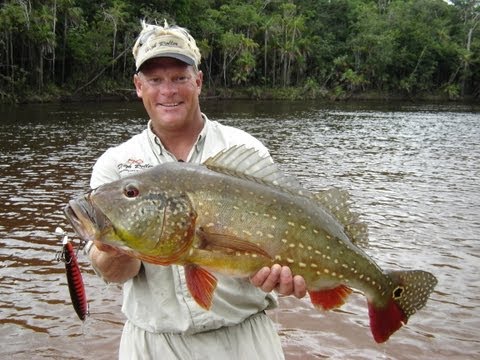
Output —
(237, 213)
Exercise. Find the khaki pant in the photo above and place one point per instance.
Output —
(255, 338)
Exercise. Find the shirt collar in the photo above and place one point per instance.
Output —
(196, 149)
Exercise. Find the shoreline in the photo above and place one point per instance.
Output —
(253, 93)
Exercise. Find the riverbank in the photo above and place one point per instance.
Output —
(248, 93)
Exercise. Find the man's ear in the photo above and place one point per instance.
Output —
(138, 85)
(199, 81)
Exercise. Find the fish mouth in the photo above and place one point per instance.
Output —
(86, 219)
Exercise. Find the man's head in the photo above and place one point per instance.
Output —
(167, 41)
(167, 79)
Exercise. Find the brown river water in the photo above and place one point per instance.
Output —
(412, 169)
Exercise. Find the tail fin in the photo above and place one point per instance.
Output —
(410, 292)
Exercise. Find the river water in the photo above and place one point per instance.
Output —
(412, 170)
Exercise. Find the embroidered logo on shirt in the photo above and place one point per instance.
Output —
(133, 165)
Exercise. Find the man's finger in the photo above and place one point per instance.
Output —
(260, 276)
(299, 286)
(272, 279)
(285, 283)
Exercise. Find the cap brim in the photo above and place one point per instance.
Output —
(181, 57)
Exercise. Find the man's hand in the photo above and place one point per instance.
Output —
(279, 278)
(112, 251)
(113, 265)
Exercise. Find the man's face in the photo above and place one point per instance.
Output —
(169, 89)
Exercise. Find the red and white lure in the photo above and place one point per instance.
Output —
(74, 276)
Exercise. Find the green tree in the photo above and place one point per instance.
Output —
(469, 11)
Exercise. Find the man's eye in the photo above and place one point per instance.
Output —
(154, 81)
(181, 79)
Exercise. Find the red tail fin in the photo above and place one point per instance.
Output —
(409, 293)
(385, 321)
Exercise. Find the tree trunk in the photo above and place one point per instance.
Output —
(54, 38)
(64, 47)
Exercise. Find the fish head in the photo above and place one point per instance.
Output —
(137, 217)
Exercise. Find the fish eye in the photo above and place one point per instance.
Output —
(131, 191)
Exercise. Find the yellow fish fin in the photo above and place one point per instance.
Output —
(213, 239)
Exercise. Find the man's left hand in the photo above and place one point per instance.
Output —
(281, 279)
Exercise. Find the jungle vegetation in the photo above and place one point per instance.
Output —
(258, 48)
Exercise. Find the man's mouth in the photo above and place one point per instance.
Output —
(170, 105)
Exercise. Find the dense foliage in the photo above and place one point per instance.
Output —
(314, 47)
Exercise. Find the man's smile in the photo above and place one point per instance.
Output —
(169, 105)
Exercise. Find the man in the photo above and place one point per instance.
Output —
(163, 320)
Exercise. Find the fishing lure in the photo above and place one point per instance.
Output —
(74, 276)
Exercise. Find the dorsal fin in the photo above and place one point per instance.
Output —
(338, 203)
(248, 163)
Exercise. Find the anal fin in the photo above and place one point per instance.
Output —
(330, 298)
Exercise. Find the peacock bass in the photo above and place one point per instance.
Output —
(237, 213)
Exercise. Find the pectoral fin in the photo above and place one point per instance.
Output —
(201, 285)
(330, 298)
(215, 240)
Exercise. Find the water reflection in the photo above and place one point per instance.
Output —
(412, 172)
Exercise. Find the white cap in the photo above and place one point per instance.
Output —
(167, 41)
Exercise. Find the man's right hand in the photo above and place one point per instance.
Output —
(112, 264)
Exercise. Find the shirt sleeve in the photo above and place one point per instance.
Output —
(105, 170)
